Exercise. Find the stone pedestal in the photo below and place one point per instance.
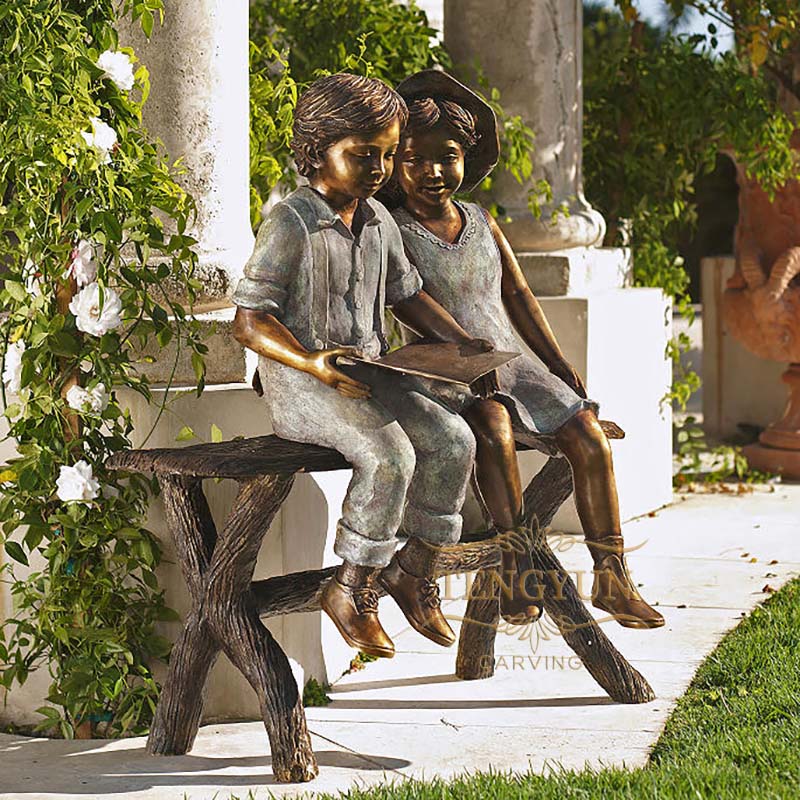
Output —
(778, 447)
(198, 106)
(617, 341)
(577, 271)
(730, 372)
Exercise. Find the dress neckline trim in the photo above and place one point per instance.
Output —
(464, 235)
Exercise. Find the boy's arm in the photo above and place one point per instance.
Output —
(426, 317)
(527, 316)
(266, 335)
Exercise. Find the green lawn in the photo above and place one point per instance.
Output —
(735, 734)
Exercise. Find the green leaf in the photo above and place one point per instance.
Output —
(216, 433)
(147, 23)
(63, 344)
(198, 366)
(185, 434)
(16, 552)
(16, 290)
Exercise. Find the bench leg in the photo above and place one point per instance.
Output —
(544, 496)
(180, 707)
(248, 644)
(546, 493)
(177, 716)
(475, 659)
(224, 617)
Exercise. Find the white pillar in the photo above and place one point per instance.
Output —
(536, 63)
(198, 106)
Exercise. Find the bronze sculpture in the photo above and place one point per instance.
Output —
(326, 261)
(466, 263)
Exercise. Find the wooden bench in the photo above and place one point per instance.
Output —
(227, 604)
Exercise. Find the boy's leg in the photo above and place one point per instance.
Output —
(370, 439)
(382, 457)
(445, 450)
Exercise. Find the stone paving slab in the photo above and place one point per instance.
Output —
(409, 716)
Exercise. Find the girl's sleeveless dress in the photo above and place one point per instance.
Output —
(465, 278)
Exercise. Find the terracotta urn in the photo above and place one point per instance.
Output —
(761, 307)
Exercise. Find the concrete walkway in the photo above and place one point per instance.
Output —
(706, 560)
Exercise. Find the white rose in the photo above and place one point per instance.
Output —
(77, 398)
(118, 67)
(32, 285)
(77, 484)
(98, 398)
(82, 265)
(93, 401)
(12, 370)
(103, 137)
(90, 317)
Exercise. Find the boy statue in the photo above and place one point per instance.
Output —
(327, 259)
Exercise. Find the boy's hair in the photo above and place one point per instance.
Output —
(425, 113)
(338, 106)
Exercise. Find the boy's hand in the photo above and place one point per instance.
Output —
(322, 365)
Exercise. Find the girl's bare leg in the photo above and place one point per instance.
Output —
(497, 472)
(586, 447)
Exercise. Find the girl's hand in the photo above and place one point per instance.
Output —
(322, 365)
(486, 385)
(567, 373)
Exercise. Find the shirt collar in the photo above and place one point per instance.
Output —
(328, 218)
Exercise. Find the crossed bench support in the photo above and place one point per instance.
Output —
(227, 603)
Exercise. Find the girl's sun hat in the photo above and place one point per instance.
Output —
(481, 159)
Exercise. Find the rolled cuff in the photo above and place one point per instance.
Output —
(259, 295)
(436, 529)
(358, 549)
(403, 286)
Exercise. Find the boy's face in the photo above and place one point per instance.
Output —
(358, 165)
(430, 167)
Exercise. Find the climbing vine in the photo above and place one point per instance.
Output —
(92, 232)
(659, 108)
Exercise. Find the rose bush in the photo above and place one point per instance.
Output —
(93, 228)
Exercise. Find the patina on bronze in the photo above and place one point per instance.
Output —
(346, 133)
(462, 254)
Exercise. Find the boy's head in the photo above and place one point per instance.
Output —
(346, 129)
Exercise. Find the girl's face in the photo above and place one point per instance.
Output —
(430, 167)
(358, 165)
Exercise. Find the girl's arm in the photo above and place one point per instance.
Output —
(527, 316)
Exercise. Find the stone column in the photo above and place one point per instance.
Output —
(198, 106)
(536, 62)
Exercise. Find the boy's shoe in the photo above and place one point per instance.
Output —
(351, 601)
(614, 591)
(409, 580)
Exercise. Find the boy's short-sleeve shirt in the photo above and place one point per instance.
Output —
(360, 272)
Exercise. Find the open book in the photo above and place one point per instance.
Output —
(441, 361)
